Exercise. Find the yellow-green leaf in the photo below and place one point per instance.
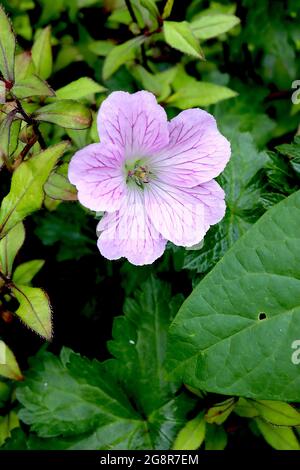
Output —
(65, 113)
(191, 436)
(7, 424)
(219, 413)
(42, 53)
(80, 88)
(280, 438)
(32, 86)
(200, 94)
(245, 408)
(25, 272)
(211, 25)
(26, 193)
(180, 36)
(167, 9)
(277, 412)
(121, 54)
(7, 47)
(9, 247)
(34, 309)
(8, 365)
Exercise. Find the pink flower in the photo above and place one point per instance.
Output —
(152, 178)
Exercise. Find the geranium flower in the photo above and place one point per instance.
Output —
(152, 178)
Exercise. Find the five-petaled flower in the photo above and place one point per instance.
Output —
(152, 178)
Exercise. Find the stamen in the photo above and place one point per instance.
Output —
(139, 174)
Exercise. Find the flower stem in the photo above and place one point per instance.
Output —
(135, 20)
(34, 124)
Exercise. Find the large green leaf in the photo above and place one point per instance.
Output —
(72, 396)
(87, 405)
(26, 193)
(243, 189)
(234, 334)
(139, 346)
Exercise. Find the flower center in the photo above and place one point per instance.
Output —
(138, 173)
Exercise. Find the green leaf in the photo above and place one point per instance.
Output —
(76, 398)
(9, 247)
(215, 437)
(101, 48)
(279, 438)
(7, 47)
(120, 55)
(191, 435)
(139, 346)
(42, 53)
(34, 309)
(180, 36)
(167, 9)
(65, 113)
(208, 26)
(199, 94)
(80, 88)
(245, 313)
(6, 127)
(25, 272)
(292, 151)
(7, 424)
(26, 192)
(24, 66)
(218, 413)
(245, 408)
(277, 413)
(8, 365)
(243, 188)
(32, 86)
(58, 187)
(68, 229)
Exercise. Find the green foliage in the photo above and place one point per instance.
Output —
(192, 435)
(236, 335)
(101, 394)
(65, 113)
(180, 36)
(10, 368)
(26, 193)
(245, 312)
(7, 47)
(243, 187)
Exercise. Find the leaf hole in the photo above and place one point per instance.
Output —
(262, 316)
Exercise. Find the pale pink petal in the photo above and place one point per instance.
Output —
(183, 215)
(211, 196)
(197, 151)
(97, 171)
(129, 233)
(134, 122)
